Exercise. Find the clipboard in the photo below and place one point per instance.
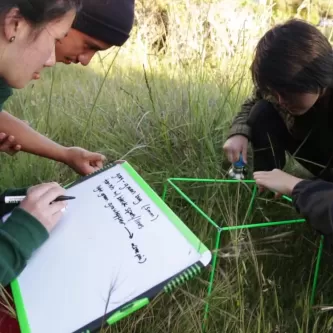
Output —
(122, 229)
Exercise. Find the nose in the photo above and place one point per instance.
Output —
(86, 57)
(51, 61)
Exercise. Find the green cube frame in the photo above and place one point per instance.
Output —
(171, 182)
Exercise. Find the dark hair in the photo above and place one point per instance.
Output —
(294, 57)
(39, 12)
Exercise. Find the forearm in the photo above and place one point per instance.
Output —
(240, 125)
(30, 140)
(314, 200)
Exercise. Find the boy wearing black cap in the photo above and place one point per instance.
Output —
(100, 25)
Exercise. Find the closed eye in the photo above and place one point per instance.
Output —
(59, 40)
(93, 47)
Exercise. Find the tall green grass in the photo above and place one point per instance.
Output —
(168, 115)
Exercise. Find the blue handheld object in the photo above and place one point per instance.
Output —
(240, 163)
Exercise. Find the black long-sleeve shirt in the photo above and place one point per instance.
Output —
(313, 199)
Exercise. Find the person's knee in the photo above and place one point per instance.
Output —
(263, 113)
(269, 137)
(267, 125)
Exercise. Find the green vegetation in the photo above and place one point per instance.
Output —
(164, 102)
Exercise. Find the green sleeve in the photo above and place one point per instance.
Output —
(7, 208)
(20, 236)
(239, 125)
(5, 92)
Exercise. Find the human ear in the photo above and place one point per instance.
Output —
(12, 22)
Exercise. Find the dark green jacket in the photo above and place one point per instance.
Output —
(21, 234)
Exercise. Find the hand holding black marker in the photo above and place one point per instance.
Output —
(44, 202)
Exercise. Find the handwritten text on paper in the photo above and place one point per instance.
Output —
(128, 209)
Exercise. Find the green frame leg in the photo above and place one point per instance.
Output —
(316, 273)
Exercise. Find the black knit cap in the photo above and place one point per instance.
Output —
(110, 21)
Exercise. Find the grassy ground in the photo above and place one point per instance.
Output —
(169, 118)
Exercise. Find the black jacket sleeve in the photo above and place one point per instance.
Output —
(313, 199)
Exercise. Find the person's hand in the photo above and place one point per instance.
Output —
(277, 181)
(235, 146)
(83, 161)
(8, 144)
(38, 204)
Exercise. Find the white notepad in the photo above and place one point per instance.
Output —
(118, 244)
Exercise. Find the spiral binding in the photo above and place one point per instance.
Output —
(105, 167)
(83, 178)
(182, 278)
